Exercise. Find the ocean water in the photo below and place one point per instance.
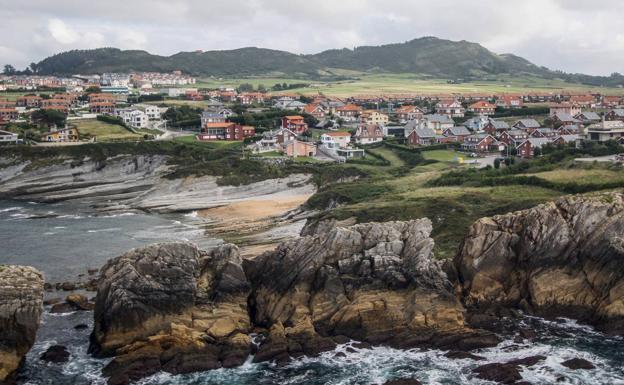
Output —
(64, 240)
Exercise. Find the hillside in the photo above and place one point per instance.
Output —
(427, 56)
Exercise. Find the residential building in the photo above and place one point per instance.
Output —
(513, 137)
(495, 127)
(7, 104)
(421, 137)
(452, 108)
(605, 131)
(289, 103)
(563, 119)
(564, 108)
(294, 123)
(102, 108)
(457, 133)
(406, 113)
(565, 139)
(588, 117)
(477, 123)
(211, 117)
(374, 117)
(584, 101)
(349, 112)
(8, 137)
(368, 133)
(482, 108)
(616, 114)
(29, 101)
(297, 148)
(611, 101)
(544, 133)
(437, 122)
(133, 117)
(8, 114)
(526, 124)
(482, 143)
(68, 134)
(510, 101)
(527, 148)
(316, 110)
(152, 112)
(336, 139)
(225, 131)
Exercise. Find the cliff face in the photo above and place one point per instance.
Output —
(21, 305)
(376, 282)
(171, 307)
(564, 258)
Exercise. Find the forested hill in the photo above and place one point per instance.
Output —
(427, 56)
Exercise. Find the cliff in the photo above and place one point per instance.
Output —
(21, 305)
(564, 258)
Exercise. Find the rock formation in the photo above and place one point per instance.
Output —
(376, 282)
(171, 307)
(21, 305)
(564, 258)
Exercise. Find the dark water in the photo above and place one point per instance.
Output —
(64, 240)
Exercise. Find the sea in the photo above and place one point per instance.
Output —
(64, 240)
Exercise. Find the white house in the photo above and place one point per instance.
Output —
(152, 112)
(133, 117)
(8, 137)
(336, 139)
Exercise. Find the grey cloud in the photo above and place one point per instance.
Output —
(572, 35)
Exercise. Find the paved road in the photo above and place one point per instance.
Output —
(607, 158)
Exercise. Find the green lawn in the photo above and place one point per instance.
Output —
(104, 132)
(376, 84)
(444, 155)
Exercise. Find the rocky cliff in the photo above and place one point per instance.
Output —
(564, 258)
(21, 305)
(375, 282)
(171, 307)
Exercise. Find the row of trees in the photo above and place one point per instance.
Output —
(33, 68)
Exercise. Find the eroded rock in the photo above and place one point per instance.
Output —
(21, 305)
(171, 307)
(374, 282)
(564, 258)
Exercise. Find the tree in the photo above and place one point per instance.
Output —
(93, 90)
(497, 163)
(245, 87)
(9, 70)
(49, 117)
(34, 67)
(537, 151)
(262, 88)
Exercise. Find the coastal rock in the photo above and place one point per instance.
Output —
(578, 363)
(56, 353)
(171, 307)
(375, 282)
(21, 305)
(564, 258)
(403, 381)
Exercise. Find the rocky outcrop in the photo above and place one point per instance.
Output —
(564, 258)
(171, 307)
(21, 305)
(376, 282)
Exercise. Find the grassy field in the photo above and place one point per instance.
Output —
(376, 84)
(403, 190)
(104, 132)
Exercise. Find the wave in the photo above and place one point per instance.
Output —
(10, 209)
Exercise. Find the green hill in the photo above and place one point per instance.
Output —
(427, 56)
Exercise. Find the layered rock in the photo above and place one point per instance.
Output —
(171, 307)
(564, 258)
(21, 305)
(376, 282)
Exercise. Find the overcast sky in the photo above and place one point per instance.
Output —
(571, 35)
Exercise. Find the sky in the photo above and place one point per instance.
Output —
(571, 35)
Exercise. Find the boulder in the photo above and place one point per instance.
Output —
(497, 372)
(79, 302)
(171, 307)
(21, 305)
(373, 282)
(403, 381)
(578, 363)
(564, 258)
(56, 353)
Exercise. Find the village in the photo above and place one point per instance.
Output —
(46, 110)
